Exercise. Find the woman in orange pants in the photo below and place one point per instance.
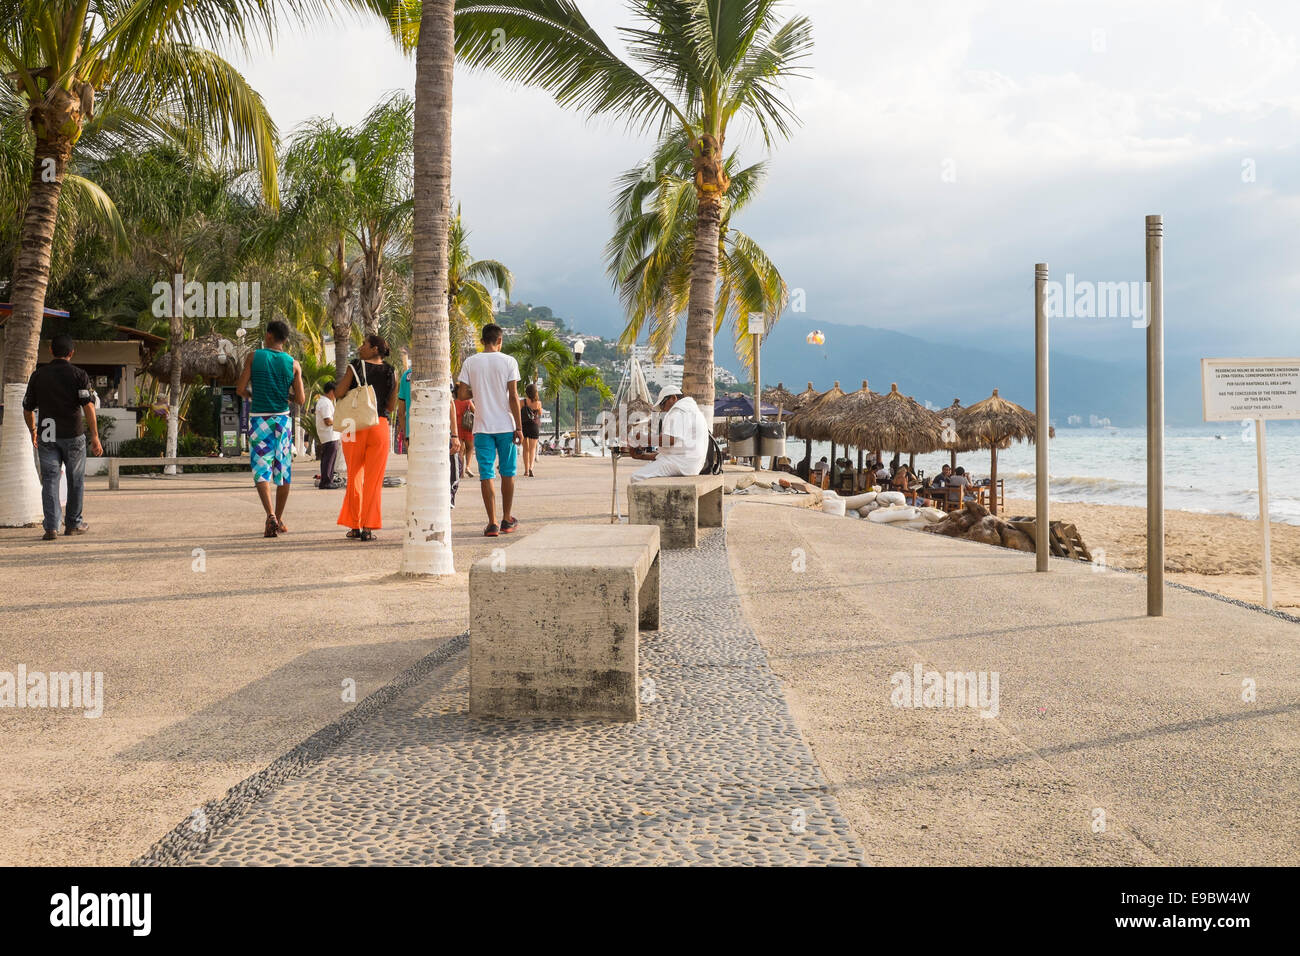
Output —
(367, 452)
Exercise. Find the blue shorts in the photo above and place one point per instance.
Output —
(270, 448)
(488, 448)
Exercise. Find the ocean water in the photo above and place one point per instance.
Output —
(1209, 468)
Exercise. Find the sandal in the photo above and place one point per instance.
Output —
(368, 535)
(354, 533)
(271, 527)
(280, 526)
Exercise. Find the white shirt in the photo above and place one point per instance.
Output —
(686, 424)
(324, 410)
(490, 375)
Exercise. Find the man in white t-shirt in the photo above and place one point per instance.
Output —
(327, 439)
(684, 439)
(498, 427)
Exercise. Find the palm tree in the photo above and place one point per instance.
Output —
(574, 378)
(348, 204)
(469, 300)
(426, 547)
(653, 247)
(136, 69)
(182, 213)
(538, 350)
(695, 67)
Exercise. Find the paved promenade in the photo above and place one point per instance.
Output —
(714, 772)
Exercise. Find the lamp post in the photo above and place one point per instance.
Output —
(579, 346)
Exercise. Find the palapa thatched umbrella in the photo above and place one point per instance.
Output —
(812, 423)
(892, 420)
(995, 423)
(845, 408)
(952, 413)
(204, 360)
(801, 401)
(782, 398)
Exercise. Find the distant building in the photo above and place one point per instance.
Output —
(720, 374)
(659, 376)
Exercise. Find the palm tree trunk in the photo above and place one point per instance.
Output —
(20, 488)
(339, 307)
(697, 372)
(426, 547)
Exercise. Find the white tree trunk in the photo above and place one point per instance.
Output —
(426, 548)
(20, 483)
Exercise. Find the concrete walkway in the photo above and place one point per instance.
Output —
(714, 772)
(1118, 739)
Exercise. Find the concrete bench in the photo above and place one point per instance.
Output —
(679, 506)
(555, 622)
(115, 465)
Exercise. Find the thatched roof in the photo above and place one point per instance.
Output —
(847, 408)
(203, 360)
(894, 421)
(782, 398)
(811, 421)
(995, 422)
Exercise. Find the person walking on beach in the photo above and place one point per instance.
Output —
(404, 429)
(327, 439)
(59, 407)
(683, 442)
(366, 449)
(272, 378)
(532, 422)
(498, 425)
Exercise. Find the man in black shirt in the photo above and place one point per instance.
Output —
(60, 393)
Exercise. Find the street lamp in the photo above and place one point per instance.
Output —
(579, 347)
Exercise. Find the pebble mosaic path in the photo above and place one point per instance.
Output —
(715, 771)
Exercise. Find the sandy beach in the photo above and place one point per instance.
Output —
(1214, 552)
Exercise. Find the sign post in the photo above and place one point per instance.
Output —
(1252, 391)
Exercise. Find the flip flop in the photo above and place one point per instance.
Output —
(271, 527)
(354, 533)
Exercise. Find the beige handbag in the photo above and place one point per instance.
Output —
(357, 409)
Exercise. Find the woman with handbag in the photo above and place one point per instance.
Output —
(366, 397)
(531, 415)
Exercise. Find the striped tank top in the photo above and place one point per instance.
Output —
(270, 381)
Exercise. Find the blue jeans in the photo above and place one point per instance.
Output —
(68, 454)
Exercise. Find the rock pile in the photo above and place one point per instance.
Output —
(975, 523)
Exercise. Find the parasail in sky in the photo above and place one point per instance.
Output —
(816, 337)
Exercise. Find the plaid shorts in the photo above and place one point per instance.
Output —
(270, 448)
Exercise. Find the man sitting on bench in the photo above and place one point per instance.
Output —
(684, 439)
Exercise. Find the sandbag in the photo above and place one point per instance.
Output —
(890, 515)
(868, 508)
(932, 514)
(857, 501)
(891, 498)
(833, 505)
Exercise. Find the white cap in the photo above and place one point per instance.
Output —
(668, 391)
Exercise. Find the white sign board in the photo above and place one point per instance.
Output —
(756, 323)
(1233, 390)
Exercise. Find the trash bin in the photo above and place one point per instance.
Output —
(742, 439)
(771, 443)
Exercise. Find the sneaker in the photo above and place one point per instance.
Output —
(79, 529)
(491, 531)
(509, 525)
(49, 536)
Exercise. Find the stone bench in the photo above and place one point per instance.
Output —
(115, 465)
(555, 621)
(679, 506)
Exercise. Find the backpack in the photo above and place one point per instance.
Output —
(467, 420)
(713, 460)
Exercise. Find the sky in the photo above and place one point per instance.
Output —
(946, 147)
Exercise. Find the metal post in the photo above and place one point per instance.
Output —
(1261, 453)
(1155, 417)
(1042, 519)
